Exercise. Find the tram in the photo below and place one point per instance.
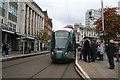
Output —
(63, 45)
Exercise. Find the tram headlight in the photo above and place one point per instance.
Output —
(66, 53)
(52, 53)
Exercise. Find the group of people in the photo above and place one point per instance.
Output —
(5, 49)
(91, 51)
(88, 50)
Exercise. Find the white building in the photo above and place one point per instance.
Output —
(83, 32)
(90, 17)
(31, 19)
(78, 28)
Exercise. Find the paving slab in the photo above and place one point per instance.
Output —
(100, 69)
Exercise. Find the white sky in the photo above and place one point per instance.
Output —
(69, 12)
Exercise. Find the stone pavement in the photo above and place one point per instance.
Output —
(100, 69)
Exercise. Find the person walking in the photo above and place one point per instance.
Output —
(87, 51)
(110, 49)
(3, 49)
(7, 49)
(93, 50)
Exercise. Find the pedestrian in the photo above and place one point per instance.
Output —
(98, 51)
(102, 50)
(93, 50)
(82, 50)
(3, 49)
(87, 50)
(110, 49)
(26, 49)
(117, 51)
(7, 49)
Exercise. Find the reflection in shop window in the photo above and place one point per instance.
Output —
(12, 10)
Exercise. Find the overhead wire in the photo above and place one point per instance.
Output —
(69, 18)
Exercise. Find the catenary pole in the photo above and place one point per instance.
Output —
(102, 16)
(0, 36)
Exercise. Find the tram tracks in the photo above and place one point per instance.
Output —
(62, 75)
(42, 68)
(64, 71)
(39, 71)
(21, 62)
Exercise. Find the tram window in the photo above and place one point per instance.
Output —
(61, 33)
(61, 38)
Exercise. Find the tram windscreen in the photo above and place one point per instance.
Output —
(61, 38)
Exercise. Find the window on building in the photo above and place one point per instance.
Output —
(12, 10)
(11, 27)
(1, 3)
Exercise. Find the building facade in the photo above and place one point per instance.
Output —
(8, 17)
(47, 28)
(90, 17)
(79, 33)
(21, 23)
(47, 24)
(83, 32)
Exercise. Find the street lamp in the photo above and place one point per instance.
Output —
(102, 15)
(0, 35)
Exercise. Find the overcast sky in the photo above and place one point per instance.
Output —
(69, 12)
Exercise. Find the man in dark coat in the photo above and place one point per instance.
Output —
(110, 49)
(87, 51)
(93, 50)
(7, 49)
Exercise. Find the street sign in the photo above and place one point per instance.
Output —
(101, 34)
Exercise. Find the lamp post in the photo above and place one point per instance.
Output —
(102, 16)
(0, 35)
(102, 33)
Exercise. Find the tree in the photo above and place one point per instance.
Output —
(43, 36)
(111, 23)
